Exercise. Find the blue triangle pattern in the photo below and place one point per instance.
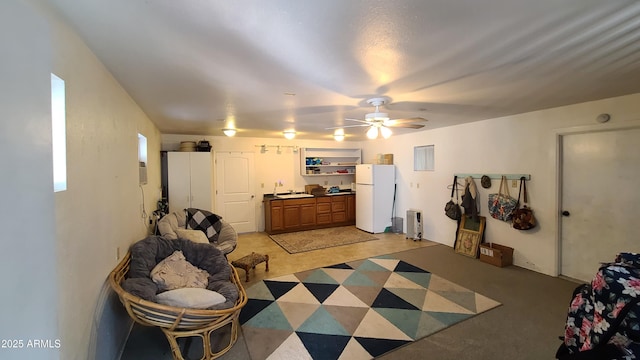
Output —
(406, 267)
(422, 279)
(252, 307)
(320, 277)
(325, 336)
(339, 266)
(279, 288)
(387, 299)
(321, 291)
(321, 322)
(323, 347)
(377, 347)
(270, 317)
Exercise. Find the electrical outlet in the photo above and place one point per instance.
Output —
(417, 185)
(326, 182)
(514, 183)
(118, 253)
(262, 185)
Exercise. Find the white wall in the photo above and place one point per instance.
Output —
(524, 143)
(27, 260)
(100, 211)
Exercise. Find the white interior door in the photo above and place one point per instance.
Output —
(600, 199)
(235, 190)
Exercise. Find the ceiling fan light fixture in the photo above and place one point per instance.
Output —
(229, 132)
(289, 134)
(338, 135)
(385, 132)
(372, 133)
(377, 116)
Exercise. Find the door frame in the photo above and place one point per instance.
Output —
(559, 134)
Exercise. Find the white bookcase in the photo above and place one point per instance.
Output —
(329, 161)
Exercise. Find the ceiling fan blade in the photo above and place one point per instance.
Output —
(412, 123)
(406, 126)
(358, 120)
(345, 126)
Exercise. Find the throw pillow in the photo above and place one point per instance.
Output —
(204, 220)
(190, 298)
(194, 235)
(176, 272)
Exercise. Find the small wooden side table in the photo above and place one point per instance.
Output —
(250, 261)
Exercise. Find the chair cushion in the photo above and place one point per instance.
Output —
(146, 253)
(190, 298)
(175, 272)
(193, 235)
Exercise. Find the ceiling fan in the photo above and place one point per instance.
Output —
(379, 122)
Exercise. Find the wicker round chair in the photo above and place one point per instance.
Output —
(177, 322)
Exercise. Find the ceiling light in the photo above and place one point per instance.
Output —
(372, 133)
(229, 132)
(289, 134)
(338, 135)
(385, 131)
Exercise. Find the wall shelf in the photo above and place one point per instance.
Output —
(329, 161)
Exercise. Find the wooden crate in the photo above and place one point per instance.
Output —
(495, 254)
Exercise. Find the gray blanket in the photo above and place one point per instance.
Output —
(147, 253)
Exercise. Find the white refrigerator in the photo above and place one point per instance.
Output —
(375, 185)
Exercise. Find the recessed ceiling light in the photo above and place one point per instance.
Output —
(290, 94)
(289, 134)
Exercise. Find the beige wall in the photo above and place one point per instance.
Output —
(27, 261)
(102, 210)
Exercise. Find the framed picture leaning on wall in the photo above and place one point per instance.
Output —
(469, 236)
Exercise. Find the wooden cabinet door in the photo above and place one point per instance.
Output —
(338, 209)
(308, 214)
(323, 209)
(277, 216)
(291, 216)
(351, 208)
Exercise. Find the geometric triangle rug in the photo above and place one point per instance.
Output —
(355, 310)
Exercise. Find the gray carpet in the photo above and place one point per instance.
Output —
(526, 326)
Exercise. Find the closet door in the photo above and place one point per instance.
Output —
(201, 180)
(179, 180)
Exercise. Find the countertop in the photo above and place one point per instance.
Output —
(304, 195)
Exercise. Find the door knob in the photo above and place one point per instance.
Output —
(565, 213)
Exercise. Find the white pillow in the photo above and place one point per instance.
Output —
(194, 235)
(176, 272)
(194, 298)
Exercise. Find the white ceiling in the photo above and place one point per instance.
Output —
(197, 66)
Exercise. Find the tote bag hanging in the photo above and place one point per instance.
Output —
(523, 218)
(452, 209)
(501, 205)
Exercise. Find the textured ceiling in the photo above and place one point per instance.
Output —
(198, 66)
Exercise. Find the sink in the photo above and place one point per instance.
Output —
(293, 196)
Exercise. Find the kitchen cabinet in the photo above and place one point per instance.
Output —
(274, 215)
(329, 161)
(323, 210)
(288, 215)
(351, 208)
(189, 180)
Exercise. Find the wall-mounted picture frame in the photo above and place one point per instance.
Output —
(469, 236)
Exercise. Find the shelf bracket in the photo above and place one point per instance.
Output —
(494, 176)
